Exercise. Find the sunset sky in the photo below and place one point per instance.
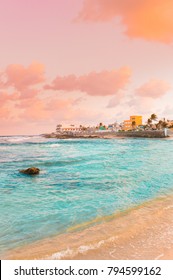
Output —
(83, 62)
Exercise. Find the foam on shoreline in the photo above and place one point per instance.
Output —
(143, 232)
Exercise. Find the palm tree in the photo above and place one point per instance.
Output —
(153, 117)
(58, 127)
(83, 128)
(133, 124)
(149, 121)
(159, 124)
(164, 124)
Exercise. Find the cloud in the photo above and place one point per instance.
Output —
(5, 97)
(22, 78)
(58, 104)
(29, 93)
(145, 100)
(153, 89)
(78, 100)
(25, 103)
(115, 101)
(4, 112)
(141, 105)
(168, 111)
(60, 110)
(147, 19)
(95, 83)
(7, 101)
(35, 111)
(22, 97)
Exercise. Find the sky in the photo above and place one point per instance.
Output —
(83, 62)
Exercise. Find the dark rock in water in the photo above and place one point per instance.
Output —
(30, 171)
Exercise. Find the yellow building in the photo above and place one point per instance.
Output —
(132, 123)
(127, 125)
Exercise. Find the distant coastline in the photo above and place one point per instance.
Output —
(107, 134)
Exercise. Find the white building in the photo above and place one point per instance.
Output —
(114, 127)
(68, 128)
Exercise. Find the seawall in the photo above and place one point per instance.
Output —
(144, 134)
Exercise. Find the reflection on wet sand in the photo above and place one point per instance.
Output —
(143, 232)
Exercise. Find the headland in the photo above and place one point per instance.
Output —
(107, 134)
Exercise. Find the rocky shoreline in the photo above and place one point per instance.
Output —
(81, 136)
(108, 135)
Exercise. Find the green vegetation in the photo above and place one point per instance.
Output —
(133, 124)
(159, 125)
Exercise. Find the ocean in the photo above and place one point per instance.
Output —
(81, 181)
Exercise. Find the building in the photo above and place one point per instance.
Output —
(127, 125)
(68, 128)
(134, 122)
(114, 127)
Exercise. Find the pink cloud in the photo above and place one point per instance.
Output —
(115, 101)
(168, 111)
(4, 112)
(7, 102)
(56, 110)
(95, 83)
(29, 93)
(22, 78)
(151, 20)
(141, 105)
(58, 104)
(153, 89)
(6, 97)
(29, 103)
(35, 111)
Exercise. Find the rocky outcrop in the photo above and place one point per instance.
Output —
(30, 171)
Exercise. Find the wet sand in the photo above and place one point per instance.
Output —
(143, 232)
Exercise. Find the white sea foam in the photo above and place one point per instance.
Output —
(55, 145)
(158, 257)
(14, 139)
(21, 139)
(82, 249)
(168, 207)
(61, 254)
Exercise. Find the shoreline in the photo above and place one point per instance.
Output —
(82, 136)
(142, 232)
(159, 134)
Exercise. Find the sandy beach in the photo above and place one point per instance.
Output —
(143, 232)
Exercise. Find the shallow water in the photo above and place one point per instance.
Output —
(80, 181)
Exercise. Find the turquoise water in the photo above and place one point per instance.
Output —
(79, 181)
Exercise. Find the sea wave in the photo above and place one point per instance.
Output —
(20, 139)
(72, 253)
